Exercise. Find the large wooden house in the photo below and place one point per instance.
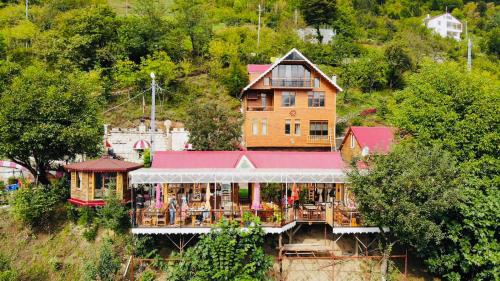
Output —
(289, 105)
(92, 180)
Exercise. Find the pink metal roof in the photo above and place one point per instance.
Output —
(377, 139)
(258, 68)
(259, 159)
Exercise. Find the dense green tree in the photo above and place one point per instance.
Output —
(226, 253)
(47, 115)
(319, 12)
(447, 106)
(213, 126)
(192, 17)
(236, 78)
(399, 61)
(85, 37)
(411, 191)
(368, 72)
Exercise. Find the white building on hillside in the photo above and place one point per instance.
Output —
(445, 25)
(311, 35)
(130, 143)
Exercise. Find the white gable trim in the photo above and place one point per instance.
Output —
(281, 59)
(243, 160)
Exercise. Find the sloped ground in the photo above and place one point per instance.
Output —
(58, 255)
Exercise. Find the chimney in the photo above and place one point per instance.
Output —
(334, 79)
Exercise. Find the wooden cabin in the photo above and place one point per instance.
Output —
(363, 141)
(92, 180)
(289, 105)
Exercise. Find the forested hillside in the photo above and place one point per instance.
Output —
(199, 49)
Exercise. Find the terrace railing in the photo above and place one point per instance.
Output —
(201, 218)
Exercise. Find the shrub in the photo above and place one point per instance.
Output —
(2, 185)
(34, 206)
(105, 267)
(11, 180)
(90, 233)
(146, 158)
(148, 275)
(114, 215)
(86, 216)
(55, 264)
(72, 213)
(240, 256)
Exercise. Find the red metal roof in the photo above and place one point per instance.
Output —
(103, 165)
(258, 68)
(377, 139)
(259, 159)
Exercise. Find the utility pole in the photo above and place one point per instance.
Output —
(153, 105)
(258, 30)
(126, 8)
(469, 54)
(469, 49)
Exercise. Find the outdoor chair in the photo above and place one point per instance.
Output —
(161, 219)
(147, 219)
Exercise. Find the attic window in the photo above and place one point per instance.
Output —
(294, 56)
(353, 141)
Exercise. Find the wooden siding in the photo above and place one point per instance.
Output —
(83, 193)
(301, 111)
(347, 152)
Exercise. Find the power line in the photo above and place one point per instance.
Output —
(125, 102)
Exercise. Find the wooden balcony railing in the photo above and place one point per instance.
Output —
(319, 139)
(291, 83)
(202, 218)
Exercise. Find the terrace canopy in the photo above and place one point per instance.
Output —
(242, 166)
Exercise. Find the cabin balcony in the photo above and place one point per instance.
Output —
(305, 83)
(315, 139)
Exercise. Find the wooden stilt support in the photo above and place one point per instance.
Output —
(280, 258)
(406, 265)
(132, 269)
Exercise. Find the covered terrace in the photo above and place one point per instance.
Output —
(189, 191)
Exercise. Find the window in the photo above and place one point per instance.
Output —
(316, 99)
(316, 82)
(288, 99)
(297, 128)
(264, 100)
(287, 126)
(353, 141)
(290, 71)
(266, 81)
(79, 180)
(255, 127)
(318, 128)
(264, 127)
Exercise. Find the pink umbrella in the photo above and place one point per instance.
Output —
(256, 196)
(158, 196)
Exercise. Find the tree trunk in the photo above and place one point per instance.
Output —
(42, 175)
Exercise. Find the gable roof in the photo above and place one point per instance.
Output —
(258, 159)
(103, 165)
(377, 139)
(427, 19)
(293, 52)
